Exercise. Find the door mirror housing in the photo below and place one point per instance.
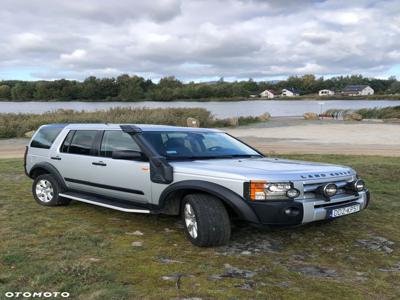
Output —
(127, 155)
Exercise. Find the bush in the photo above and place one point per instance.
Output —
(16, 125)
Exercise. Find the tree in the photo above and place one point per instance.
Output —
(23, 91)
(5, 92)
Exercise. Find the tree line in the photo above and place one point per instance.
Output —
(136, 88)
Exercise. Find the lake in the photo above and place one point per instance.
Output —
(277, 108)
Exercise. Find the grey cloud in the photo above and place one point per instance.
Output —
(198, 39)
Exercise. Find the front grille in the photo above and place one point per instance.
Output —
(311, 189)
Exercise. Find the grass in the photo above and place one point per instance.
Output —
(392, 112)
(16, 125)
(86, 251)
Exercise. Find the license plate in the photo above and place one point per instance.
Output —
(342, 211)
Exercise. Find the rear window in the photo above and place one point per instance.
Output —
(46, 136)
(79, 142)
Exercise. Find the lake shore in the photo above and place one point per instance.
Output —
(295, 136)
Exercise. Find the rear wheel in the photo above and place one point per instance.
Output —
(46, 189)
(206, 220)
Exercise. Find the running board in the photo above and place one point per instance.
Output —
(100, 201)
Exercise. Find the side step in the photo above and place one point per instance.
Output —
(104, 202)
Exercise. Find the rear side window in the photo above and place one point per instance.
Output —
(80, 142)
(46, 136)
(116, 140)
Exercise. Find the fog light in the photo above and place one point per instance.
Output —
(292, 211)
(293, 193)
(359, 185)
(329, 190)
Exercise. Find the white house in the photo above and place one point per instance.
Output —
(358, 90)
(326, 92)
(290, 92)
(267, 94)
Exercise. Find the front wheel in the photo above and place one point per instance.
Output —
(46, 189)
(206, 220)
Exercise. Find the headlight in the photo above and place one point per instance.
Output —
(359, 185)
(262, 190)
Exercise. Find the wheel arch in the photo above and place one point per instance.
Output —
(170, 199)
(47, 168)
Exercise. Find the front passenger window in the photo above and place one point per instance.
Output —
(117, 140)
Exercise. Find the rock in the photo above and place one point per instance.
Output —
(395, 268)
(245, 253)
(246, 286)
(310, 116)
(167, 230)
(137, 233)
(93, 259)
(169, 261)
(233, 121)
(377, 243)
(264, 117)
(315, 271)
(29, 134)
(248, 240)
(192, 122)
(352, 117)
(137, 244)
(234, 272)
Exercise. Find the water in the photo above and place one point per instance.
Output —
(277, 108)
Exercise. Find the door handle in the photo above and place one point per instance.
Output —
(56, 157)
(99, 163)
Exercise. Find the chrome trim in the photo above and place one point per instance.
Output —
(143, 211)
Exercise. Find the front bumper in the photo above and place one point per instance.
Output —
(291, 212)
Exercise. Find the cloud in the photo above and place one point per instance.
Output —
(199, 39)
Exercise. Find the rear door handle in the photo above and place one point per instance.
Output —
(56, 157)
(99, 163)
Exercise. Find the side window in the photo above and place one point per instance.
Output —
(45, 137)
(82, 142)
(67, 142)
(116, 140)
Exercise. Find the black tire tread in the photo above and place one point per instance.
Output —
(214, 227)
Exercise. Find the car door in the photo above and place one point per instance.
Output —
(120, 178)
(75, 157)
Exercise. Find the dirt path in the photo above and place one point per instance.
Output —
(293, 135)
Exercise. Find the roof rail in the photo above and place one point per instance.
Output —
(130, 129)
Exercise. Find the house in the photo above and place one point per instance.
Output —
(267, 94)
(358, 90)
(290, 92)
(326, 92)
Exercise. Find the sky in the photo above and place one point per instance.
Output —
(198, 40)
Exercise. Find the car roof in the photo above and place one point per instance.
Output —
(142, 127)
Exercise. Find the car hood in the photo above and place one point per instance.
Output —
(262, 168)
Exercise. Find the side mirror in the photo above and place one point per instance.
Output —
(127, 155)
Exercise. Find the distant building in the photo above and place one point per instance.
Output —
(326, 92)
(290, 92)
(358, 90)
(267, 94)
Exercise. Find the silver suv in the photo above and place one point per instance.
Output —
(205, 175)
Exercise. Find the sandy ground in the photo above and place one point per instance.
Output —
(291, 135)
(295, 135)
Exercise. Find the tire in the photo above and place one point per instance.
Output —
(46, 189)
(208, 215)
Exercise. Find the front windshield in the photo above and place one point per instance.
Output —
(197, 145)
